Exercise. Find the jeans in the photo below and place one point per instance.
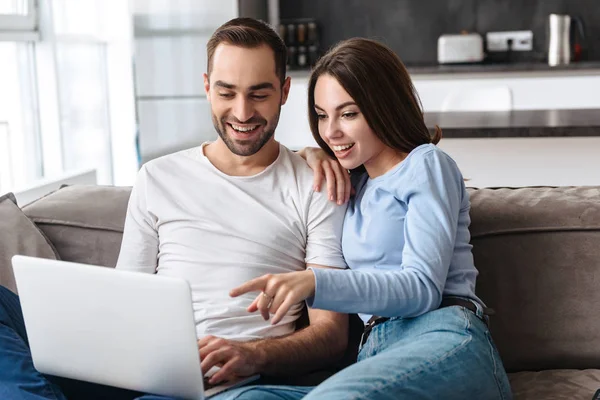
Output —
(19, 380)
(445, 354)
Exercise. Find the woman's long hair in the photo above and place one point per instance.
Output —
(378, 82)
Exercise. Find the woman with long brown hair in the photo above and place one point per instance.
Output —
(405, 238)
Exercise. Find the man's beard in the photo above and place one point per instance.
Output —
(246, 147)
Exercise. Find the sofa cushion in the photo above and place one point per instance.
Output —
(19, 235)
(85, 223)
(538, 254)
(555, 384)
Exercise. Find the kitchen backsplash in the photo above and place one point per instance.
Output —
(412, 27)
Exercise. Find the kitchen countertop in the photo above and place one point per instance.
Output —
(502, 67)
(483, 68)
(522, 123)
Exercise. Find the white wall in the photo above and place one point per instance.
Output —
(517, 162)
(293, 129)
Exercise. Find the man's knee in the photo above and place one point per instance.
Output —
(266, 392)
(7, 295)
(9, 305)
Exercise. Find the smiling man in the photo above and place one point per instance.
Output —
(246, 86)
(235, 209)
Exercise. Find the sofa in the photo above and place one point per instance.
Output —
(537, 250)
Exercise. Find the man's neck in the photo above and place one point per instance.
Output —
(231, 164)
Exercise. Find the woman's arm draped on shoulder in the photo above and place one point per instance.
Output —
(416, 285)
(328, 168)
(139, 248)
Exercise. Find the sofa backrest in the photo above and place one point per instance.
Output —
(538, 254)
(537, 250)
(84, 223)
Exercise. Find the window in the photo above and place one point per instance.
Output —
(19, 128)
(19, 134)
(93, 41)
(66, 95)
(14, 7)
(81, 43)
(83, 103)
(18, 19)
(6, 178)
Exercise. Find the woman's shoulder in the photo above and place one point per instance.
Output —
(420, 163)
(425, 167)
(426, 152)
(431, 157)
(425, 163)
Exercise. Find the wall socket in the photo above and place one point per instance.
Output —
(498, 41)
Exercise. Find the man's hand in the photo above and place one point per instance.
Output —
(279, 292)
(236, 359)
(324, 166)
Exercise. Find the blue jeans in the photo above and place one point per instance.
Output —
(20, 380)
(444, 354)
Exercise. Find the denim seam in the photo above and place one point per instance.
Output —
(48, 391)
(52, 388)
(495, 362)
(430, 364)
(373, 334)
(267, 388)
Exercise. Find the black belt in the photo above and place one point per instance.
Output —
(446, 302)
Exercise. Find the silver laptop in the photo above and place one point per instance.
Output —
(123, 329)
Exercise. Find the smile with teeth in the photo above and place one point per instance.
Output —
(240, 128)
(342, 147)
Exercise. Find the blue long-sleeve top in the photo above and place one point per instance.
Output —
(406, 240)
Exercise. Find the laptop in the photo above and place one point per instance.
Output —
(124, 329)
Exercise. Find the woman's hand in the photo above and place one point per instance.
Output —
(338, 179)
(278, 292)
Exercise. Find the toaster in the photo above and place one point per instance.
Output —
(462, 48)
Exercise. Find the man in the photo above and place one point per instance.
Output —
(226, 212)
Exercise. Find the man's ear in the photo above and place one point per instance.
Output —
(206, 86)
(285, 89)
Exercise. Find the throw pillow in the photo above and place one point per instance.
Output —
(19, 235)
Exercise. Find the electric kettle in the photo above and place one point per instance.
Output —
(566, 39)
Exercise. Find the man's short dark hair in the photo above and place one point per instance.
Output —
(249, 33)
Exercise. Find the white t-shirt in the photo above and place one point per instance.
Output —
(188, 219)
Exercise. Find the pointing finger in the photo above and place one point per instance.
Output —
(253, 285)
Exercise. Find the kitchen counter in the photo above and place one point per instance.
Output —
(503, 67)
(477, 68)
(524, 123)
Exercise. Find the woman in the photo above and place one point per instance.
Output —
(405, 239)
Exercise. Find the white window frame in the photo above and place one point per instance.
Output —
(20, 27)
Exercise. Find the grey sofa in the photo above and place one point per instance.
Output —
(537, 250)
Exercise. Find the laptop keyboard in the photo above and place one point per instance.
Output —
(206, 384)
